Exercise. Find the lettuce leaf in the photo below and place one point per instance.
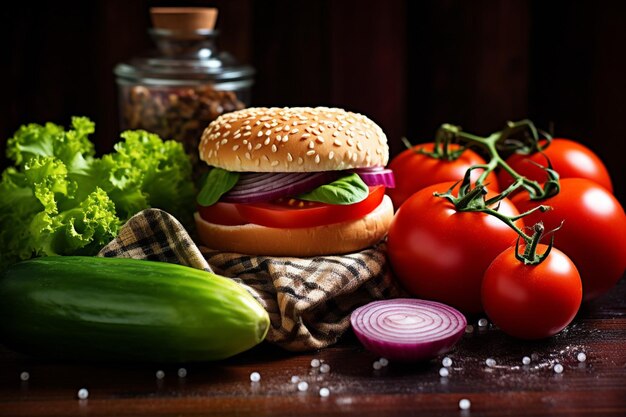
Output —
(58, 199)
(349, 189)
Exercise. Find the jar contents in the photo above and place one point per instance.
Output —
(176, 113)
(187, 83)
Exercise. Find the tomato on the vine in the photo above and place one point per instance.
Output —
(440, 253)
(414, 171)
(531, 301)
(593, 234)
(568, 158)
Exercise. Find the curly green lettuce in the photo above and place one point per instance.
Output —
(58, 199)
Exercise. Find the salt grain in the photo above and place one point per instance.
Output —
(483, 323)
(383, 361)
(255, 377)
(526, 360)
(303, 386)
(182, 372)
(558, 368)
(469, 329)
(377, 365)
(447, 362)
(160, 374)
(324, 392)
(325, 368)
(295, 379)
(24, 376)
(490, 362)
(581, 357)
(465, 404)
(443, 372)
(83, 394)
(315, 363)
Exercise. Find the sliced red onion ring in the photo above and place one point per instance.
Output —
(377, 176)
(260, 187)
(407, 329)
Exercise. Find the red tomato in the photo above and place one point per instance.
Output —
(570, 159)
(440, 254)
(531, 301)
(414, 171)
(292, 213)
(593, 233)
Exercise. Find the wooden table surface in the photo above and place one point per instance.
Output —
(596, 387)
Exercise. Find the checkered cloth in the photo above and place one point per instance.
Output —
(309, 300)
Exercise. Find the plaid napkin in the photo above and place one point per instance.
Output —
(309, 300)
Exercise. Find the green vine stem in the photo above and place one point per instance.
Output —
(449, 133)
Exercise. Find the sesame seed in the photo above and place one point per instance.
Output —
(335, 133)
(304, 136)
(311, 145)
(274, 148)
(285, 138)
(247, 133)
(226, 134)
(224, 141)
(245, 142)
(300, 160)
(331, 155)
(268, 132)
(317, 159)
(309, 153)
(359, 146)
(350, 142)
(257, 146)
(274, 163)
(260, 133)
(337, 142)
(248, 156)
(248, 128)
(286, 128)
(289, 157)
(294, 131)
(267, 141)
(235, 147)
(237, 136)
(249, 146)
(320, 139)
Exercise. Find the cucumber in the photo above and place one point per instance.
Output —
(104, 309)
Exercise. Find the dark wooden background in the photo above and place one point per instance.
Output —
(410, 65)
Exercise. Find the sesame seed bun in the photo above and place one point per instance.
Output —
(298, 139)
(332, 239)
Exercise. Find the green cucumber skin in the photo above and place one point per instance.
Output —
(125, 309)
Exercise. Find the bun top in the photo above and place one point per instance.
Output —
(297, 139)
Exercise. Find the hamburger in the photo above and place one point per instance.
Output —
(294, 182)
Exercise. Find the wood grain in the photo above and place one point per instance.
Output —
(596, 387)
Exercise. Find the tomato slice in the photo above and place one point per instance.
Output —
(222, 213)
(296, 213)
(291, 213)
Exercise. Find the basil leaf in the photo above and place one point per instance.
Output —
(346, 190)
(218, 182)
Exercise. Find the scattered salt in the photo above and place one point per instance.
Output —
(490, 362)
(558, 368)
(443, 372)
(24, 376)
(324, 392)
(315, 363)
(447, 362)
(160, 374)
(255, 377)
(465, 404)
(526, 360)
(83, 394)
(303, 386)
(581, 357)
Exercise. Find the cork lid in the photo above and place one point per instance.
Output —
(183, 18)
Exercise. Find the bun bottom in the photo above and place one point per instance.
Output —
(332, 239)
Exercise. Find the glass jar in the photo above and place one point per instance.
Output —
(178, 90)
